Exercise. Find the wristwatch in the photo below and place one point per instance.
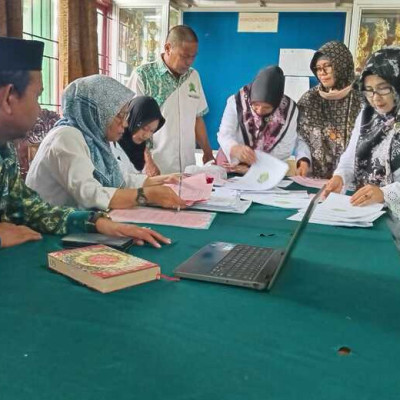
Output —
(93, 217)
(141, 198)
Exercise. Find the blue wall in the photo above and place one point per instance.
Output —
(227, 59)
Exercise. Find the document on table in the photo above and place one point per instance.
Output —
(309, 182)
(194, 188)
(337, 210)
(290, 200)
(264, 174)
(148, 215)
(223, 204)
(339, 204)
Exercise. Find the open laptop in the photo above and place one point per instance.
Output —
(242, 265)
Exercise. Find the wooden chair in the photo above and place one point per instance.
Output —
(28, 146)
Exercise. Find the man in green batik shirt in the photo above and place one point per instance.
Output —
(23, 215)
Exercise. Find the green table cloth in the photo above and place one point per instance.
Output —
(202, 341)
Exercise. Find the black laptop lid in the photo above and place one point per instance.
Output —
(292, 242)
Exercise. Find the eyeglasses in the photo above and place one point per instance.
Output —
(381, 91)
(326, 69)
(123, 115)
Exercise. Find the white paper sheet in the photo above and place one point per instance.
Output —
(296, 86)
(296, 62)
(264, 174)
(289, 202)
(337, 210)
(299, 217)
(339, 204)
(224, 204)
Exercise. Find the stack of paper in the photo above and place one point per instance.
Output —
(264, 174)
(337, 210)
(229, 204)
(193, 189)
(294, 199)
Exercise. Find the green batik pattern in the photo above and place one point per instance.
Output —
(158, 81)
(23, 206)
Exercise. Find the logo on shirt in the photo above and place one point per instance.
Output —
(192, 91)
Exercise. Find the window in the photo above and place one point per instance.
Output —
(40, 23)
(139, 39)
(104, 20)
(378, 29)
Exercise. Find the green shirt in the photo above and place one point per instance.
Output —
(23, 206)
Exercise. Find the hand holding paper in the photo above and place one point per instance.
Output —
(193, 189)
(264, 174)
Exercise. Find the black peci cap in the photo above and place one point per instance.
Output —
(20, 55)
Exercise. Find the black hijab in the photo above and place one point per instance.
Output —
(268, 86)
(144, 110)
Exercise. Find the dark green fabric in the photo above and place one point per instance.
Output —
(77, 222)
(23, 206)
(194, 340)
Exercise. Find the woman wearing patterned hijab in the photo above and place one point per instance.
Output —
(372, 159)
(327, 112)
(258, 117)
(75, 165)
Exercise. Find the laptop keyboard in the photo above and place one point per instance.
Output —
(243, 262)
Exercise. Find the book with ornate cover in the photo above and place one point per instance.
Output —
(103, 268)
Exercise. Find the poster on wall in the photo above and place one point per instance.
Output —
(258, 22)
(296, 62)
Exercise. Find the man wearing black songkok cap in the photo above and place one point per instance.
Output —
(23, 214)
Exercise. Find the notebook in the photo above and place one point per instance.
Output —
(86, 239)
(240, 264)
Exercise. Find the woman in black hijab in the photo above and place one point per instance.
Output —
(258, 117)
(145, 119)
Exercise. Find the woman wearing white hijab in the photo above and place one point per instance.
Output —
(75, 165)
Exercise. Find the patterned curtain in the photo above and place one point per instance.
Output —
(78, 39)
(11, 18)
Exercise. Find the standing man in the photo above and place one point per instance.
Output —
(23, 214)
(178, 91)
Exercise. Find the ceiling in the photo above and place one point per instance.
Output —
(199, 4)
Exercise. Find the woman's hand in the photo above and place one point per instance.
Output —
(302, 168)
(335, 185)
(139, 235)
(12, 235)
(163, 196)
(243, 153)
(236, 169)
(150, 166)
(369, 194)
(161, 180)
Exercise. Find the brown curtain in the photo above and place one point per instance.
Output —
(77, 39)
(11, 18)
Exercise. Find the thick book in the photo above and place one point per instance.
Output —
(103, 268)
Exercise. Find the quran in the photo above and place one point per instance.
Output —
(103, 268)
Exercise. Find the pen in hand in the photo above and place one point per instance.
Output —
(179, 190)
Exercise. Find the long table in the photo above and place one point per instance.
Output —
(195, 340)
